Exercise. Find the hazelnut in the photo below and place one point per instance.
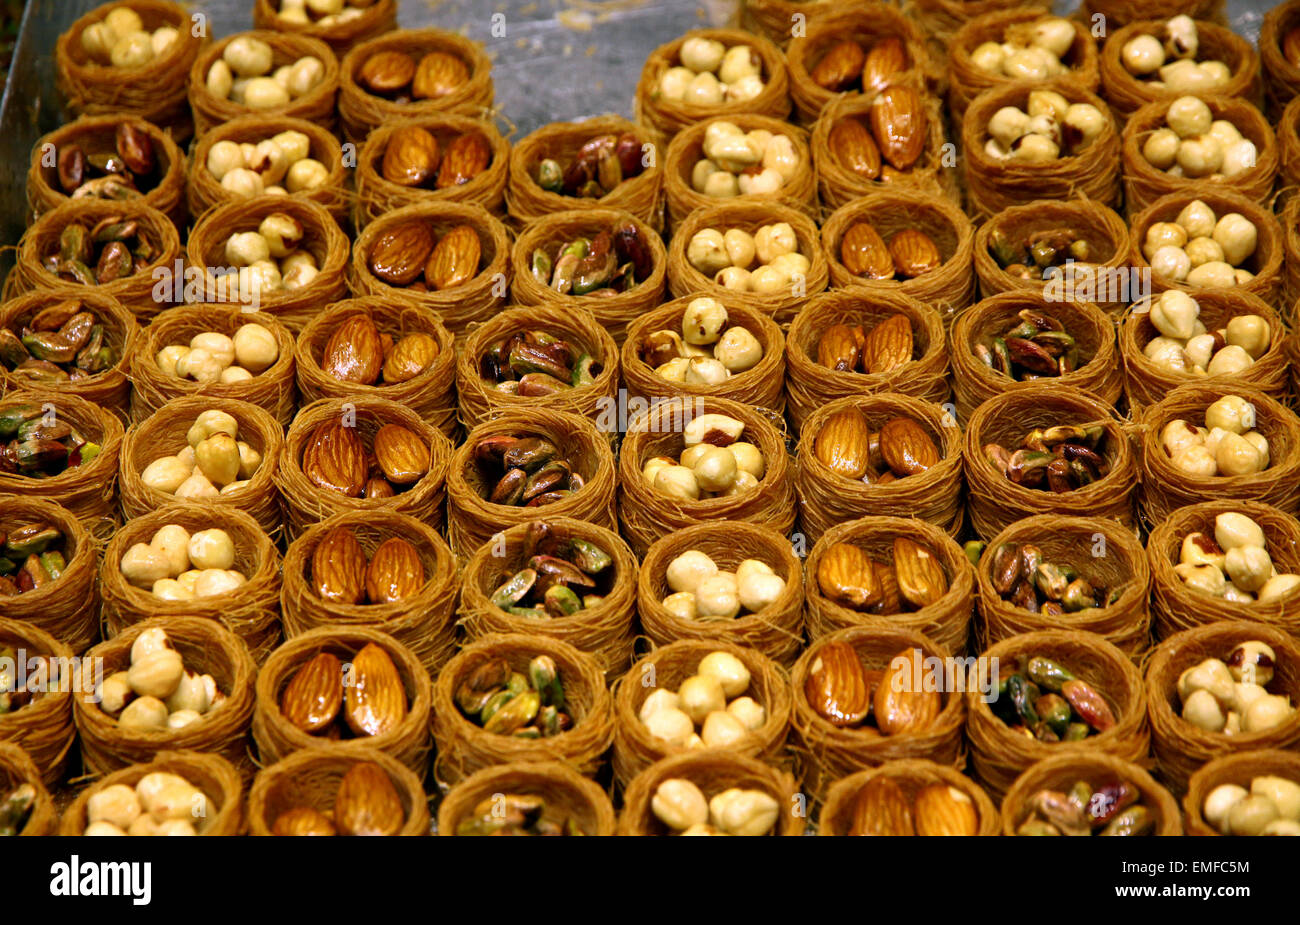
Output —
(780, 156)
(1251, 815)
(143, 564)
(705, 371)
(1204, 578)
(1142, 55)
(733, 278)
(1252, 661)
(1238, 157)
(701, 54)
(1232, 530)
(1204, 712)
(708, 251)
(1266, 712)
(738, 61)
(166, 474)
(717, 597)
(700, 695)
(681, 605)
(678, 483)
(703, 321)
(1189, 116)
(744, 812)
(729, 671)
(1203, 250)
(739, 246)
(1231, 413)
(1171, 263)
(135, 49)
(255, 347)
(715, 468)
(988, 57)
(247, 56)
(1200, 156)
(1237, 235)
(264, 93)
(751, 713)
(656, 700)
(1249, 332)
(671, 725)
(1197, 219)
(144, 713)
(1219, 802)
(1278, 587)
(721, 185)
(1178, 435)
(738, 350)
(1163, 234)
(769, 278)
(1008, 124)
(1229, 361)
(703, 90)
(1248, 567)
(679, 804)
(700, 173)
(722, 730)
(305, 75)
(172, 540)
(1174, 314)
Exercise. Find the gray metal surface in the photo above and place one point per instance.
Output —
(552, 60)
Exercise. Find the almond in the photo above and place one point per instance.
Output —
(367, 802)
(303, 820)
(859, 338)
(454, 261)
(881, 808)
(888, 345)
(898, 122)
(902, 704)
(921, 580)
(402, 455)
(386, 72)
(847, 576)
(944, 810)
(838, 348)
(314, 694)
(438, 74)
(410, 356)
(891, 600)
(906, 448)
(840, 67)
(338, 567)
(914, 253)
(395, 572)
(886, 58)
(841, 444)
(411, 157)
(466, 157)
(851, 144)
(353, 352)
(837, 686)
(376, 697)
(864, 253)
(335, 459)
(399, 254)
